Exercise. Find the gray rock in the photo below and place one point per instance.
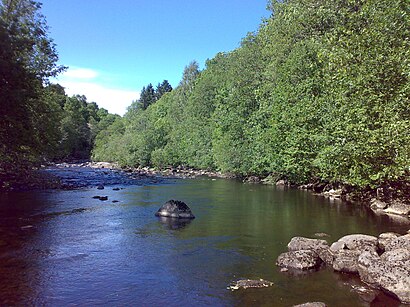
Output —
(393, 277)
(346, 261)
(399, 208)
(397, 243)
(332, 193)
(401, 254)
(377, 204)
(337, 246)
(250, 283)
(360, 242)
(300, 260)
(175, 209)
(386, 237)
(321, 247)
(100, 187)
(302, 243)
(311, 304)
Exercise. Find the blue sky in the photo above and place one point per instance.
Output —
(114, 48)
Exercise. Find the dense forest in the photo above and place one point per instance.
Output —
(319, 92)
(39, 122)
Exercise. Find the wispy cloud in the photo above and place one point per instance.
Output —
(85, 81)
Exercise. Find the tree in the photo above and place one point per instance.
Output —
(162, 88)
(147, 96)
(27, 59)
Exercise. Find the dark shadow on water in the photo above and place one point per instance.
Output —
(174, 223)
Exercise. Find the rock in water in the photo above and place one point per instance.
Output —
(249, 283)
(175, 209)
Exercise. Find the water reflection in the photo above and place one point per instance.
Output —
(79, 250)
(174, 223)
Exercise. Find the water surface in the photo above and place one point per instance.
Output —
(62, 248)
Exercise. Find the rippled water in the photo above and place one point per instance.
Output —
(63, 247)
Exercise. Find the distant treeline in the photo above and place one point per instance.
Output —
(320, 91)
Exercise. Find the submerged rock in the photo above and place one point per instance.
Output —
(250, 283)
(175, 209)
(311, 304)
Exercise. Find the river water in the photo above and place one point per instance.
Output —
(60, 248)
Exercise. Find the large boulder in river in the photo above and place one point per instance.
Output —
(385, 238)
(175, 209)
(399, 242)
(390, 273)
(302, 243)
(321, 247)
(299, 260)
(359, 242)
(346, 261)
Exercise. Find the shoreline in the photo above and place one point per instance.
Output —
(391, 199)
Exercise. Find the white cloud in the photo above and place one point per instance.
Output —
(80, 73)
(84, 81)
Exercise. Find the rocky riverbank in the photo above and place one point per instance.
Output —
(382, 262)
(393, 198)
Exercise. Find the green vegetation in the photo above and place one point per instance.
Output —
(38, 121)
(320, 91)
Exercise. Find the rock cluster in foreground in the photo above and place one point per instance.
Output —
(381, 262)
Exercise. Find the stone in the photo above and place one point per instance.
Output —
(337, 246)
(401, 254)
(392, 277)
(321, 234)
(302, 243)
(359, 242)
(386, 237)
(332, 193)
(311, 304)
(103, 198)
(321, 247)
(398, 207)
(175, 209)
(250, 283)
(346, 261)
(399, 242)
(300, 260)
(100, 187)
(377, 204)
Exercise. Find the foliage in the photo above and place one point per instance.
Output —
(320, 91)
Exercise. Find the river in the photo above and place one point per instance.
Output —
(64, 247)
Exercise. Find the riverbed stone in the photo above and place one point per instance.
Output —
(346, 261)
(311, 304)
(302, 243)
(397, 207)
(359, 242)
(300, 260)
(401, 254)
(175, 209)
(250, 283)
(399, 242)
(377, 204)
(393, 277)
(385, 238)
(321, 247)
